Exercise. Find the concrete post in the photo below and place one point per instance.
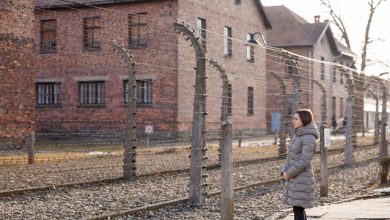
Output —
(323, 163)
(348, 153)
(226, 147)
(31, 148)
(224, 98)
(226, 172)
(129, 161)
(198, 144)
(376, 123)
(384, 137)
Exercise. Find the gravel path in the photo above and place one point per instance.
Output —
(59, 172)
(99, 199)
(261, 202)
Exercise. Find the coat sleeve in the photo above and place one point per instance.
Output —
(284, 167)
(308, 147)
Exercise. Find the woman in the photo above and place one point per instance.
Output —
(297, 171)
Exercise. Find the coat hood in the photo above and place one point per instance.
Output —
(308, 129)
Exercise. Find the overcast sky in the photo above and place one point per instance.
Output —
(355, 18)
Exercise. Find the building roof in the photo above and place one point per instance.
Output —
(54, 4)
(291, 30)
(49, 4)
(345, 50)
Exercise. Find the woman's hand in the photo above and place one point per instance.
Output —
(287, 178)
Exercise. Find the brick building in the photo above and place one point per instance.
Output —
(81, 83)
(308, 40)
(16, 73)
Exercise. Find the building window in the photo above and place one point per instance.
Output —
(91, 93)
(48, 36)
(334, 73)
(229, 99)
(341, 107)
(91, 33)
(250, 100)
(227, 41)
(48, 93)
(238, 2)
(250, 50)
(333, 105)
(138, 30)
(201, 31)
(144, 91)
(291, 67)
(322, 68)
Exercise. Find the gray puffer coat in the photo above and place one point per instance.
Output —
(298, 191)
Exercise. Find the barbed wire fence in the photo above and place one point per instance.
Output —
(140, 120)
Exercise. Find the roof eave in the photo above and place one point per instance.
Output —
(82, 5)
(266, 21)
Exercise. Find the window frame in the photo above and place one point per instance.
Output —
(322, 69)
(250, 50)
(141, 42)
(86, 93)
(201, 27)
(250, 101)
(55, 89)
(148, 94)
(94, 29)
(334, 105)
(341, 107)
(227, 41)
(52, 32)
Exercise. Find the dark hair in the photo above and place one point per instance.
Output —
(305, 115)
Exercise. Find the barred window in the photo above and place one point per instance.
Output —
(227, 41)
(201, 32)
(291, 67)
(250, 50)
(138, 30)
(48, 93)
(144, 91)
(48, 32)
(250, 100)
(334, 105)
(91, 33)
(91, 93)
(341, 75)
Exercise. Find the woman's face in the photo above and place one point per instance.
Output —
(297, 123)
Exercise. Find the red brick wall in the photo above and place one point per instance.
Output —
(71, 63)
(244, 18)
(16, 73)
